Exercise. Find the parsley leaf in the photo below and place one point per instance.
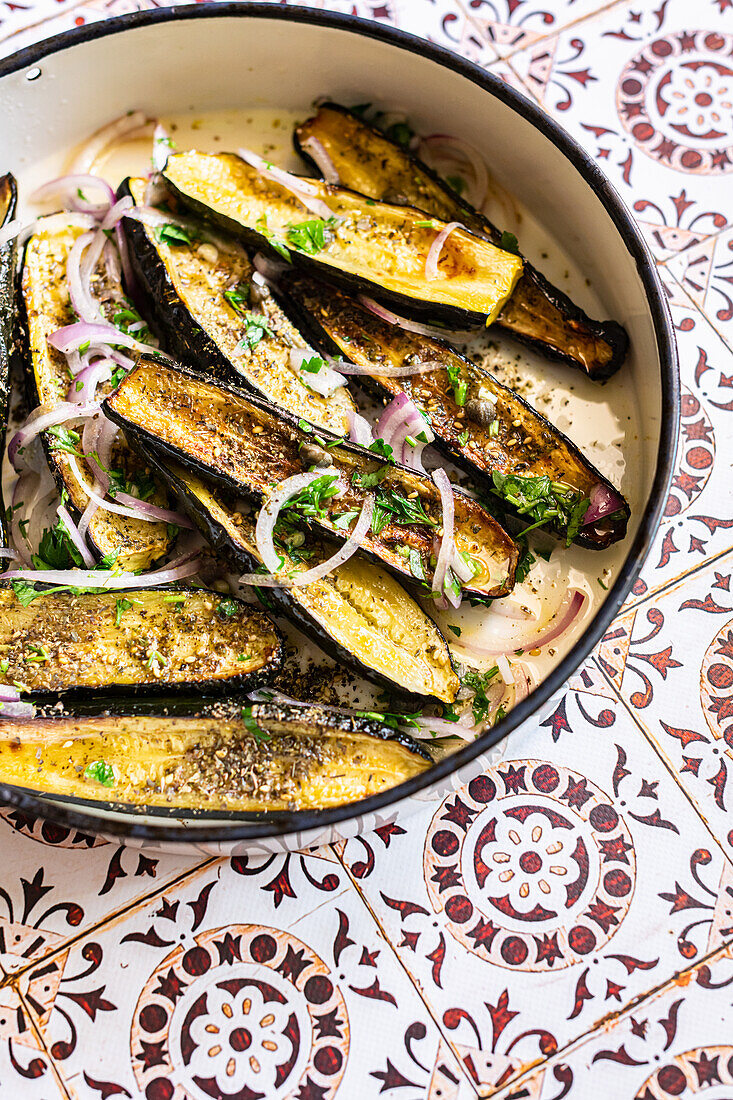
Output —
(311, 500)
(509, 243)
(313, 365)
(256, 328)
(237, 296)
(379, 447)
(401, 133)
(391, 507)
(64, 439)
(227, 608)
(478, 683)
(543, 501)
(311, 236)
(101, 772)
(526, 560)
(56, 550)
(458, 385)
(250, 724)
(280, 247)
(457, 183)
(120, 608)
(172, 234)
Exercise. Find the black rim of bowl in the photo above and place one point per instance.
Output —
(251, 827)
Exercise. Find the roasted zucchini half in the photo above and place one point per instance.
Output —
(358, 614)
(537, 313)
(146, 639)
(44, 307)
(479, 424)
(245, 444)
(203, 302)
(224, 757)
(379, 248)
(8, 200)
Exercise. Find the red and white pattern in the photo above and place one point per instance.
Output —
(562, 926)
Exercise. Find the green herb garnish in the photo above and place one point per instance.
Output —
(227, 608)
(64, 439)
(311, 500)
(237, 296)
(256, 328)
(121, 607)
(101, 772)
(543, 501)
(478, 682)
(280, 247)
(311, 236)
(379, 447)
(252, 727)
(391, 507)
(457, 183)
(509, 243)
(173, 234)
(458, 385)
(455, 630)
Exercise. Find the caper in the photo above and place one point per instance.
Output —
(481, 411)
(315, 456)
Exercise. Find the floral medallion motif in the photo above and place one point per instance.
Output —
(531, 865)
(695, 457)
(247, 1013)
(675, 99)
(716, 684)
(687, 1074)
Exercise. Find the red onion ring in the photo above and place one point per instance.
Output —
(603, 501)
(42, 418)
(305, 192)
(392, 416)
(470, 154)
(447, 543)
(74, 535)
(101, 139)
(161, 148)
(360, 430)
(565, 615)
(107, 578)
(267, 518)
(349, 548)
(321, 159)
(69, 187)
(117, 211)
(433, 256)
(143, 510)
(90, 376)
(325, 381)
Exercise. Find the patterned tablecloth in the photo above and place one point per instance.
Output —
(397, 964)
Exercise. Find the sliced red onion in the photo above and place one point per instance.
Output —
(112, 263)
(90, 377)
(270, 270)
(69, 188)
(17, 229)
(447, 543)
(433, 256)
(461, 568)
(143, 510)
(391, 418)
(7, 553)
(79, 290)
(17, 710)
(305, 192)
(564, 617)
(162, 145)
(360, 430)
(128, 275)
(603, 501)
(117, 130)
(71, 337)
(522, 683)
(505, 669)
(106, 578)
(117, 211)
(26, 484)
(9, 694)
(349, 548)
(409, 326)
(43, 418)
(267, 517)
(325, 381)
(321, 159)
(434, 142)
(439, 727)
(76, 538)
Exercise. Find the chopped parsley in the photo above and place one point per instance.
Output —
(401, 133)
(121, 607)
(526, 560)
(280, 247)
(101, 772)
(457, 183)
(172, 234)
(244, 657)
(227, 608)
(500, 713)
(393, 719)
(458, 384)
(478, 683)
(237, 296)
(369, 479)
(250, 724)
(56, 550)
(36, 655)
(455, 630)
(464, 437)
(343, 521)
(379, 447)
(509, 243)
(543, 501)
(391, 507)
(311, 500)
(311, 236)
(4, 666)
(255, 329)
(156, 658)
(64, 439)
(603, 586)
(313, 365)
(415, 563)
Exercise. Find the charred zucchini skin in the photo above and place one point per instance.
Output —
(425, 300)
(129, 555)
(216, 472)
(285, 601)
(185, 339)
(60, 682)
(338, 325)
(207, 758)
(8, 201)
(534, 294)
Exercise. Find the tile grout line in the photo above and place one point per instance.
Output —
(567, 27)
(37, 1031)
(693, 305)
(413, 982)
(665, 588)
(665, 762)
(110, 918)
(614, 1017)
